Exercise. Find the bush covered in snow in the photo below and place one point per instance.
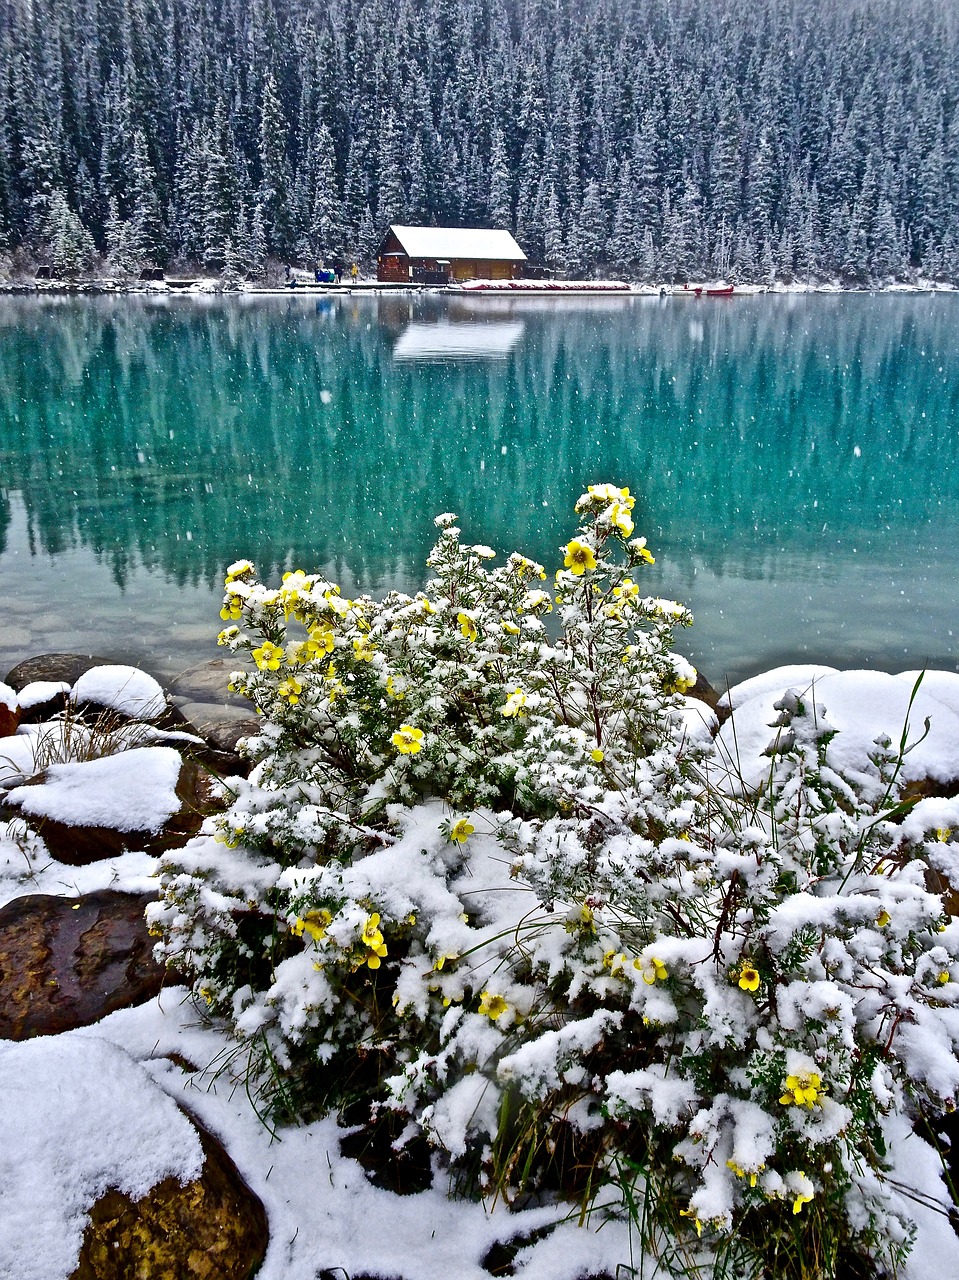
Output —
(482, 875)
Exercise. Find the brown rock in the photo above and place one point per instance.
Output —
(68, 667)
(704, 691)
(9, 720)
(212, 1229)
(77, 846)
(67, 962)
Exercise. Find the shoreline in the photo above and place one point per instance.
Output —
(207, 287)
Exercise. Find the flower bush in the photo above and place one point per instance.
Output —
(486, 874)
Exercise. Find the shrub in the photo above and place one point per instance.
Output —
(483, 874)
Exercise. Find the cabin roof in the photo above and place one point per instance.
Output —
(478, 244)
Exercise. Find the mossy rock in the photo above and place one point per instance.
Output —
(214, 1228)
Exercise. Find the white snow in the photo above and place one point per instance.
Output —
(796, 676)
(475, 244)
(86, 1110)
(861, 705)
(79, 1117)
(132, 791)
(38, 692)
(125, 689)
(8, 697)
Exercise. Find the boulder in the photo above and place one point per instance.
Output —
(208, 682)
(66, 667)
(120, 690)
(214, 1228)
(9, 711)
(221, 727)
(120, 802)
(703, 691)
(67, 962)
(42, 699)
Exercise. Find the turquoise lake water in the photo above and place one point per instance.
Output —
(794, 459)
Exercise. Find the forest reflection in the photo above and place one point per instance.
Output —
(763, 437)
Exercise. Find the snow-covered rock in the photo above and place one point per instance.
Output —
(862, 705)
(125, 689)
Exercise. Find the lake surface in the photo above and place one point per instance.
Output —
(794, 459)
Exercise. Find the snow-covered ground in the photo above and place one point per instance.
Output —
(92, 1108)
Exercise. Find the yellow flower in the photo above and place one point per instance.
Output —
(883, 918)
(748, 977)
(514, 705)
(639, 547)
(493, 1006)
(445, 959)
(751, 1174)
(511, 628)
(800, 1201)
(408, 740)
(611, 493)
(613, 962)
(232, 608)
(467, 625)
(943, 977)
(579, 557)
(943, 834)
(802, 1090)
(267, 656)
(239, 569)
(396, 687)
(227, 634)
(597, 754)
(372, 939)
(290, 690)
(461, 830)
(620, 519)
(313, 922)
(363, 649)
(653, 971)
(691, 1213)
(627, 590)
(321, 641)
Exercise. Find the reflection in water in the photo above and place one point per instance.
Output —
(464, 341)
(794, 457)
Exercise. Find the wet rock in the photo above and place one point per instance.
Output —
(77, 844)
(68, 667)
(67, 962)
(214, 1228)
(222, 728)
(207, 683)
(703, 691)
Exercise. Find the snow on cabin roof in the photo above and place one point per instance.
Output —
(476, 243)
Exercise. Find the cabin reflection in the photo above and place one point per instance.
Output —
(443, 342)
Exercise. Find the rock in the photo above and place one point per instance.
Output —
(703, 691)
(221, 727)
(67, 962)
(42, 699)
(9, 711)
(68, 667)
(78, 843)
(214, 1228)
(122, 690)
(207, 682)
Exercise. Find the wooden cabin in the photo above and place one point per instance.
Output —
(439, 255)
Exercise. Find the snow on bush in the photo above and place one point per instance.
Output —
(482, 874)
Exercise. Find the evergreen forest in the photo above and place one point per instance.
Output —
(651, 139)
